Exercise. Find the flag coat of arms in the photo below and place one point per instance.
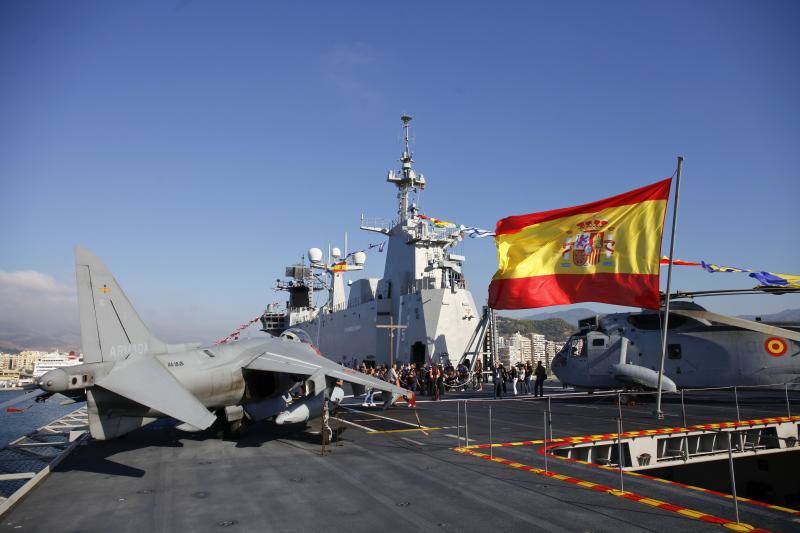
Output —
(606, 251)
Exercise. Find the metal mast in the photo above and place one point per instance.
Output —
(406, 178)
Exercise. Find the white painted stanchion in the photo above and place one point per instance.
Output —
(545, 440)
(466, 425)
(491, 448)
(788, 408)
(458, 421)
(736, 398)
(683, 409)
(733, 478)
(619, 454)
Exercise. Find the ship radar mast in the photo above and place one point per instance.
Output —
(406, 178)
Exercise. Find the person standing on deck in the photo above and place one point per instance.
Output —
(497, 380)
(514, 378)
(541, 375)
(528, 375)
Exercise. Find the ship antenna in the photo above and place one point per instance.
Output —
(406, 126)
(406, 178)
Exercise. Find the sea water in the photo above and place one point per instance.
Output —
(35, 415)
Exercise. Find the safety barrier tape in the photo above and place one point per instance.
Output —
(563, 441)
(404, 430)
(644, 432)
(553, 444)
(684, 511)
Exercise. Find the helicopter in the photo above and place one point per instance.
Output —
(704, 349)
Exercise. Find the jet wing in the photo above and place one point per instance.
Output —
(306, 362)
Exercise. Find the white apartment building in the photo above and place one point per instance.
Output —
(509, 355)
(551, 349)
(523, 344)
(538, 345)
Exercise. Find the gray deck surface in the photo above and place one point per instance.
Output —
(160, 479)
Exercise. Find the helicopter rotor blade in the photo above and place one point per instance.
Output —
(759, 327)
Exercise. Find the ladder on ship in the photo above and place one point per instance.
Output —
(482, 342)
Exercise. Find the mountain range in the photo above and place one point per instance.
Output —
(787, 315)
(557, 325)
(14, 340)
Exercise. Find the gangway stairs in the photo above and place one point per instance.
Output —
(29, 459)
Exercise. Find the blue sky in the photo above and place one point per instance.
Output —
(198, 147)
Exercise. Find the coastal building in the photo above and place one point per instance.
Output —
(27, 360)
(509, 355)
(551, 349)
(8, 378)
(7, 361)
(522, 344)
(538, 346)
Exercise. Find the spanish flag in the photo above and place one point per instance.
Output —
(606, 251)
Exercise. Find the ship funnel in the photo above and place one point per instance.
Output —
(315, 255)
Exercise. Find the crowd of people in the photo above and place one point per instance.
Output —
(433, 380)
(528, 378)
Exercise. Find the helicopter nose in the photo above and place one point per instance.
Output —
(54, 381)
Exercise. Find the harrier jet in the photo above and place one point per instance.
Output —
(130, 378)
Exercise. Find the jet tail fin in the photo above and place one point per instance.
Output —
(110, 327)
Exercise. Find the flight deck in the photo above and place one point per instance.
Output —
(471, 466)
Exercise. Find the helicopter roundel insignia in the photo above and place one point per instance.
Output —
(775, 346)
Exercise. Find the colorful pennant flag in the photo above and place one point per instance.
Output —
(679, 262)
(716, 268)
(438, 222)
(606, 251)
(771, 279)
(476, 233)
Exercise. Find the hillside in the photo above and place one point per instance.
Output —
(572, 315)
(787, 315)
(554, 329)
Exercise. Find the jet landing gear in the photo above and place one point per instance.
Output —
(231, 422)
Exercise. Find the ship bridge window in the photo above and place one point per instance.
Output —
(598, 342)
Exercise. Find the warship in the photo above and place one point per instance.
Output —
(420, 311)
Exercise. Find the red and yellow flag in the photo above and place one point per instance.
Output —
(606, 251)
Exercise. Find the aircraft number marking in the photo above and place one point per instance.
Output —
(175, 363)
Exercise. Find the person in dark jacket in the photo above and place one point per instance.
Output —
(497, 379)
(541, 375)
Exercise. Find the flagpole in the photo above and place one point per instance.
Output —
(665, 325)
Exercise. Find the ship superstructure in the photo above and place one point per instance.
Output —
(421, 310)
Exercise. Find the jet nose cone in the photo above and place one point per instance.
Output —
(54, 381)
